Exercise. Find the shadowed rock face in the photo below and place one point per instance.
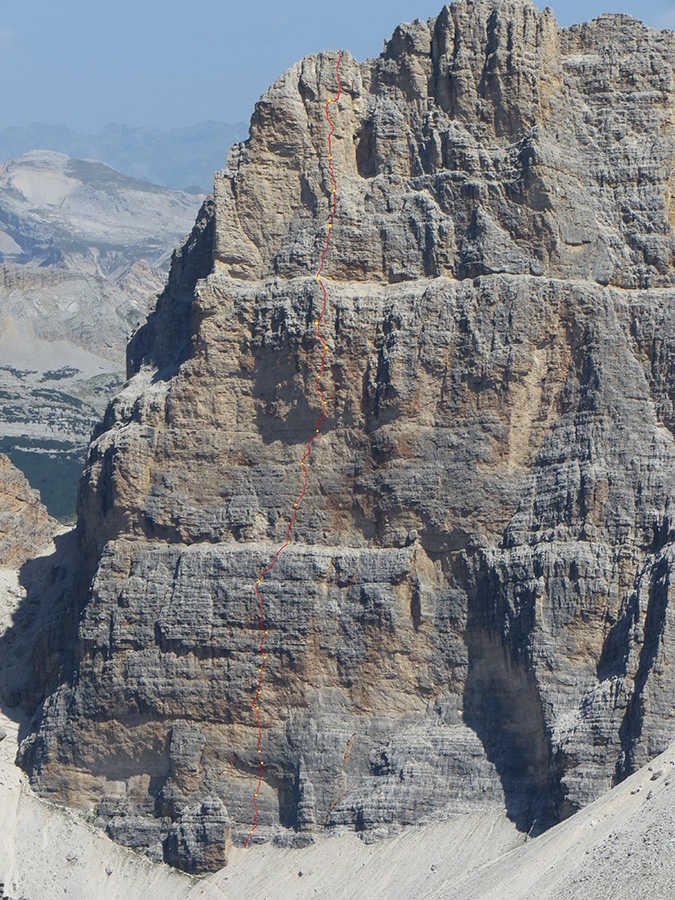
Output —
(474, 610)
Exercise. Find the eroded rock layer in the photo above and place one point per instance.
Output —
(475, 607)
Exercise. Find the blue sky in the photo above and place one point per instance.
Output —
(84, 63)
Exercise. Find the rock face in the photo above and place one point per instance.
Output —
(475, 607)
(25, 526)
(200, 839)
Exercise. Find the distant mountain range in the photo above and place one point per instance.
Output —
(83, 254)
(85, 216)
(182, 158)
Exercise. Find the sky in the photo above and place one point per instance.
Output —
(173, 63)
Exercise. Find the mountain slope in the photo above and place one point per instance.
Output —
(85, 216)
(180, 158)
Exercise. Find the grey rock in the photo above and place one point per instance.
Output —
(474, 610)
(198, 841)
(292, 840)
(136, 831)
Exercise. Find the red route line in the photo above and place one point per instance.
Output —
(303, 462)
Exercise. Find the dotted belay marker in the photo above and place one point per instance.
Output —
(305, 478)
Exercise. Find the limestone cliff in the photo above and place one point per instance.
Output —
(25, 526)
(475, 609)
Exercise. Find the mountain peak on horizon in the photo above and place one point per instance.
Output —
(183, 158)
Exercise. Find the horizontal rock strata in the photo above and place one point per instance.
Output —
(475, 608)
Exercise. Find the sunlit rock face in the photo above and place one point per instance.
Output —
(474, 610)
(25, 526)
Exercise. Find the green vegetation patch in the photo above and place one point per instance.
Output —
(58, 374)
(18, 373)
(7, 444)
(58, 397)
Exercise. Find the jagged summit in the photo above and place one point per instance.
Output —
(474, 611)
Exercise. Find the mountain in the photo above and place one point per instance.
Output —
(85, 216)
(182, 158)
(471, 612)
(83, 255)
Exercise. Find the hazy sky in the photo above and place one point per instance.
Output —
(84, 63)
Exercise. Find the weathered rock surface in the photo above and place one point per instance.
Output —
(199, 841)
(475, 608)
(25, 526)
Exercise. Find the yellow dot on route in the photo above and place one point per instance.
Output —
(318, 278)
(331, 156)
(330, 226)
